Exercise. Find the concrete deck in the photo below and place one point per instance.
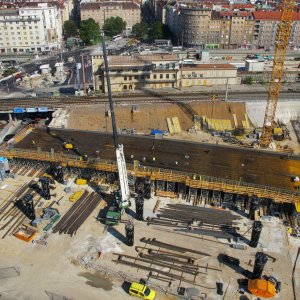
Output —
(247, 165)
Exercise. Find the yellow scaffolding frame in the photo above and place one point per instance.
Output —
(191, 180)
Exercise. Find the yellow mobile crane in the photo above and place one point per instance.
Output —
(282, 42)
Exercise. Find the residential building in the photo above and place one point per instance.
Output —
(66, 6)
(266, 26)
(194, 26)
(160, 71)
(66, 9)
(33, 26)
(130, 12)
(241, 28)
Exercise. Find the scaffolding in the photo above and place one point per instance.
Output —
(196, 181)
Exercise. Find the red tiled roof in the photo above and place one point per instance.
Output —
(238, 13)
(239, 6)
(272, 15)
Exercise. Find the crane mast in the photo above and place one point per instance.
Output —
(121, 163)
(282, 42)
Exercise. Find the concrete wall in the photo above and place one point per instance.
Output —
(286, 111)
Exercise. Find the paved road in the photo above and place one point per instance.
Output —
(33, 65)
(247, 165)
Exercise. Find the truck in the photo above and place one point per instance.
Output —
(113, 215)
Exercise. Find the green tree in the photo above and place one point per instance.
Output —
(9, 71)
(114, 26)
(69, 28)
(140, 30)
(248, 80)
(89, 31)
(157, 30)
(160, 31)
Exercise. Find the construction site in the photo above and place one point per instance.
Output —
(183, 200)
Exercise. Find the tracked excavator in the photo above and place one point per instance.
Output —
(122, 195)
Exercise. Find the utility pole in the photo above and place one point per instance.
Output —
(226, 94)
(83, 73)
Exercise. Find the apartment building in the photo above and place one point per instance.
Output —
(130, 12)
(66, 6)
(241, 28)
(194, 26)
(161, 71)
(34, 27)
(266, 26)
(201, 27)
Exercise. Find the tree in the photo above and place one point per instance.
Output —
(248, 80)
(9, 71)
(140, 30)
(69, 28)
(114, 26)
(160, 31)
(89, 31)
(157, 30)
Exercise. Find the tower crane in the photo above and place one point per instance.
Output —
(123, 195)
(282, 42)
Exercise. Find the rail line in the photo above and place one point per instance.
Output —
(60, 102)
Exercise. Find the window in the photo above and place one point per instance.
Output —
(125, 78)
(154, 76)
(174, 76)
(167, 76)
(161, 76)
(130, 77)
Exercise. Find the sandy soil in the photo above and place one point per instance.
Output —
(150, 116)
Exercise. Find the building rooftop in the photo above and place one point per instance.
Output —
(209, 66)
(139, 60)
(236, 14)
(25, 4)
(273, 15)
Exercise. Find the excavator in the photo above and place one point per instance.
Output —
(122, 195)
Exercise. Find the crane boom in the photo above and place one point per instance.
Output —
(123, 179)
(282, 41)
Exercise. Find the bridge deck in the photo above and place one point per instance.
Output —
(245, 165)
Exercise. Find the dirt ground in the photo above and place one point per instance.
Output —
(58, 269)
(148, 116)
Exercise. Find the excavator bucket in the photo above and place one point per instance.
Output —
(262, 288)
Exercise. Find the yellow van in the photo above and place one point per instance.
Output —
(141, 291)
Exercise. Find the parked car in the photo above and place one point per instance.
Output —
(141, 291)
(27, 121)
(8, 137)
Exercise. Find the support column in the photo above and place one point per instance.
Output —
(255, 235)
(260, 261)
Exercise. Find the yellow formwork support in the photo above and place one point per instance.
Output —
(193, 181)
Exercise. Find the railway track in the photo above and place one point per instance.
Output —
(60, 102)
